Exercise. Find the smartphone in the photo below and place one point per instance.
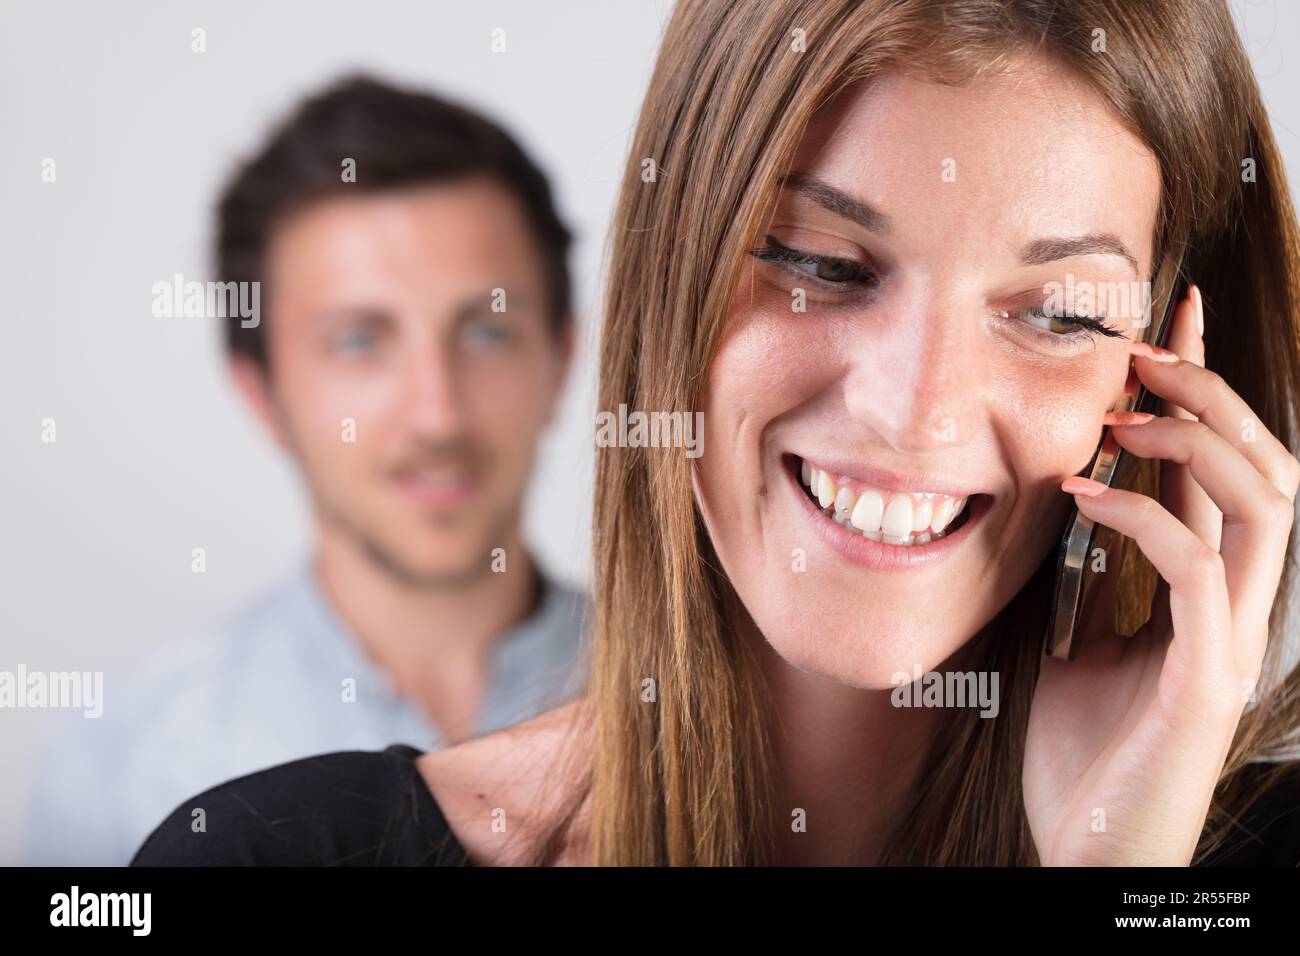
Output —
(1062, 638)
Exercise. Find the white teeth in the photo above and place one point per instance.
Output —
(897, 522)
(944, 516)
(921, 512)
(825, 489)
(898, 518)
(943, 512)
(843, 503)
(868, 512)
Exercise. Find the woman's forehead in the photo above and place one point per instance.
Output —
(1025, 152)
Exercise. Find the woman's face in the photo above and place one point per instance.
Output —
(928, 371)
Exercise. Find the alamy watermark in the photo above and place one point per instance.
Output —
(1098, 299)
(130, 910)
(651, 430)
(64, 690)
(949, 689)
(179, 299)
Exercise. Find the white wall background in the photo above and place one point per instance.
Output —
(154, 454)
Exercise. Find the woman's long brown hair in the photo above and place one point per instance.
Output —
(679, 766)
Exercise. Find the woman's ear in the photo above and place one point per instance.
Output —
(253, 383)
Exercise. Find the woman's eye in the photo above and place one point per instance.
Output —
(836, 270)
(1067, 324)
(831, 270)
(1059, 324)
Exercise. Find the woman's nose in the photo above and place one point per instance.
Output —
(916, 384)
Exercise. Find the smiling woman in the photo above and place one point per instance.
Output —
(896, 383)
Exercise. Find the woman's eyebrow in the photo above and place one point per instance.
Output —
(1038, 252)
(1094, 243)
(836, 201)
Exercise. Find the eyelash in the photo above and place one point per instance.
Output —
(1084, 326)
(775, 251)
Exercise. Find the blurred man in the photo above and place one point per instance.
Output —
(414, 336)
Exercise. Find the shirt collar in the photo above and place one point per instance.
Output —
(553, 618)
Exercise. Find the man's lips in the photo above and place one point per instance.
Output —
(435, 488)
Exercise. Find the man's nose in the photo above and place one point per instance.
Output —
(431, 395)
(916, 385)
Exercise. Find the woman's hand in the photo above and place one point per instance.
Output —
(1126, 742)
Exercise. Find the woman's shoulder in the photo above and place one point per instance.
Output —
(503, 794)
(1267, 832)
(348, 808)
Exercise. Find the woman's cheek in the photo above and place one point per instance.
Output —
(737, 389)
(1072, 430)
(765, 365)
(1053, 419)
(762, 368)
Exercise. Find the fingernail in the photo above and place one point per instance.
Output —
(1154, 352)
(1126, 418)
(1200, 311)
(1078, 485)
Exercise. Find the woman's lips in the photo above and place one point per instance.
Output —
(879, 554)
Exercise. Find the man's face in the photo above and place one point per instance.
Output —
(412, 405)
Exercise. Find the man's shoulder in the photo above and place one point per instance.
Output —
(172, 717)
(201, 661)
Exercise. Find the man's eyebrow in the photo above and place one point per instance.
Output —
(469, 307)
(1096, 243)
(836, 201)
(369, 314)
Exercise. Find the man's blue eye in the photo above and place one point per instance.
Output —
(486, 332)
(356, 341)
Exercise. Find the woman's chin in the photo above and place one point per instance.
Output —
(871, 655)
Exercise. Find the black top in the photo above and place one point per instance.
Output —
(351, 808)
(372, 808)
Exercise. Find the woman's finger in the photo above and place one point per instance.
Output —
(1207, 396)
(1180, 494)
(1256, 516)
(1198, 596)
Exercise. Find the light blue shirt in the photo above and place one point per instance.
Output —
(267, 685)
